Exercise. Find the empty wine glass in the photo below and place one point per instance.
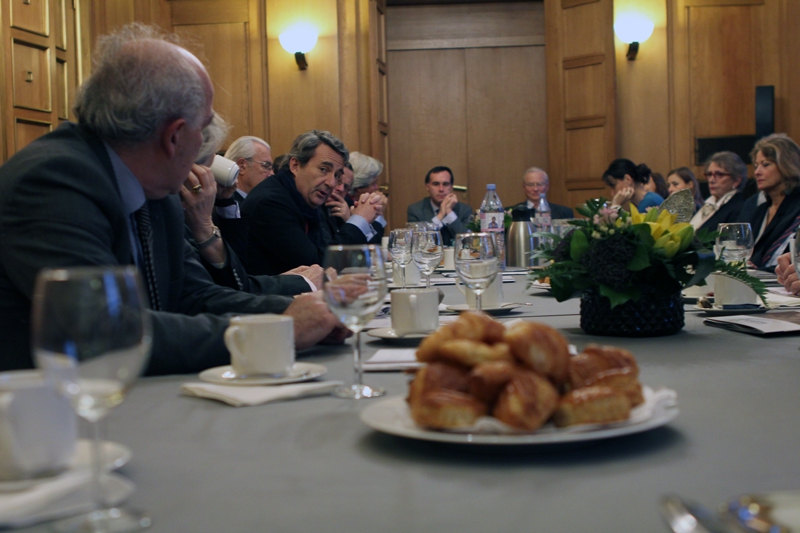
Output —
(400, 248)
(735, 242)
(354, 287)
(477, 262)
(427, 251)
(91, 338)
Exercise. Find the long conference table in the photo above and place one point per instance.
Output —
(312, 465)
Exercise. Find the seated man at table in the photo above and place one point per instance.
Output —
(442, 207)
(104, 192)
(535, 183)
(284, 212)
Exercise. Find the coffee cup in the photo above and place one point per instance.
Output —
(731, 291)
(415, 311)
(38, 428)
(448, 260)
(225, 171)
(261, 345)
(412, 275)
(491, 297)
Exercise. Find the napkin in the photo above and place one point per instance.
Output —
(392, 359)
(780, 297)
(239, 396)
(66, 494)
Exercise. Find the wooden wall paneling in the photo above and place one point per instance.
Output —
(27, 131)
(364, 70)
(33, 16)
(427, 103)
(790, 52)
(309, 99)
(581, 97)
(348, 69)
(31, 75)
(506, 131)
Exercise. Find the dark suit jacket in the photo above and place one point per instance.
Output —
(333, 224)
(59, 207)
(556, 211)
(233, 230)
(727, 213)
(785, 222)
(279, 237)
(422, 211)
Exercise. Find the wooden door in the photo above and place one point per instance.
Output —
(581, 120)
(40, 68)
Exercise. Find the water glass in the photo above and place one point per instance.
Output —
(427, 251)
(400, 248)
(735, 242)
(477, 262)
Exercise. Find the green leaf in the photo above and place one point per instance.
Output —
(642, 231)
(619, 298)
(578, 245)
(641, 259)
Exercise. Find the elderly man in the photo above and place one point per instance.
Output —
(254, 157)
(442, 207)
(286, 228)
(103, 192)
(535, 183)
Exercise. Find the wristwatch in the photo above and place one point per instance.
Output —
(215, 234)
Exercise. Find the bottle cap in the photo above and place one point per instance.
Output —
(490, 187)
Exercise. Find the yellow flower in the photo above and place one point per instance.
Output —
(670, 242)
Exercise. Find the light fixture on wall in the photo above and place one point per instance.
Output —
(299, 39)
(632, 28)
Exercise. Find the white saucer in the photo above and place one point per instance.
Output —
(388, 334)
(500, 310)
(114, 453)
(224, 375)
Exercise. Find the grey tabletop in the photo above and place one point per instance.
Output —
(312, 465)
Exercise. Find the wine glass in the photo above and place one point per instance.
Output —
(400, 248)
(427, 251)
(735, 241)
(91, 338)
(354, 287)
(477, 262)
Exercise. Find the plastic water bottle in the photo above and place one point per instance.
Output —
(543, 219)
(492, 219)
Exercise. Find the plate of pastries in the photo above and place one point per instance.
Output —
(483, 382)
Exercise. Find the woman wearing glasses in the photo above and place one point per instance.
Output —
(776, 160)
(726, 174)
(628, 184)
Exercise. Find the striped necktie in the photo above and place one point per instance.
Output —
(145, 232)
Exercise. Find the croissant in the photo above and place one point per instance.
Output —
(526, 402)
(592, 405)
(446, 409)
(540, 348)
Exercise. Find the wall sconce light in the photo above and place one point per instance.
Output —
(299, 40)
(633, 29)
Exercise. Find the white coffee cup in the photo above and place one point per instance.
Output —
(38, 428)
(413, 275)
(225, 171)
(261, 344)
(449, 258)
(415, 311)
(491, 297)
(731, 291)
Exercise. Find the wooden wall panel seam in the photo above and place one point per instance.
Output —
(583, 61)
(585, 122)
(566, 4)
(469, 42)
(723, 3)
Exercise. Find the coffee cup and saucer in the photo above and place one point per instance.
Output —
(491, 299)
(262, 353)
(415, 314)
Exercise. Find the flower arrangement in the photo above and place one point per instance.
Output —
(618, 253)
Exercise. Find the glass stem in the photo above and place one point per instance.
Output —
(403, 275)
(97, 467)
(358, 376)
(427, 281)
(478, 301)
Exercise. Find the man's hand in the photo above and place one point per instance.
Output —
(339, 207)
(314, 274)
(368, 207)
(787, 276)
(199, 202)
(447, 206)
(223, 193)
(313, 322)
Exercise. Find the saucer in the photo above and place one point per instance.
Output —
(719, 311)
(114, 453)
(388, 334)
(224, 375)
(499, 310)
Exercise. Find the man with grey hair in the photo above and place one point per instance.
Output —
(284, 212)
(536, 183)
(103, 192)
(254, 157)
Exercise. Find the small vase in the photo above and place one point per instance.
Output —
(649, 316)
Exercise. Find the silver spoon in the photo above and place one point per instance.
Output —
(684, 516)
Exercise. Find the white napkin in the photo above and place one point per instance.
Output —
(67, 494)
(239, 396)
(392, 359)
(780, 297)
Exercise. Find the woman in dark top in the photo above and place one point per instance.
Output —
(776, 159)
(628, 185)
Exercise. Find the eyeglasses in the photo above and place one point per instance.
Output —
(266, 165)
(716, 174)
(536, 185)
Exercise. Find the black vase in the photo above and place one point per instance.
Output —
(651, 315)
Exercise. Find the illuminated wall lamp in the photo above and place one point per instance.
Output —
(299, 40)
(633, 29)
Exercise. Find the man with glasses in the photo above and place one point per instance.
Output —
(535, 183)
